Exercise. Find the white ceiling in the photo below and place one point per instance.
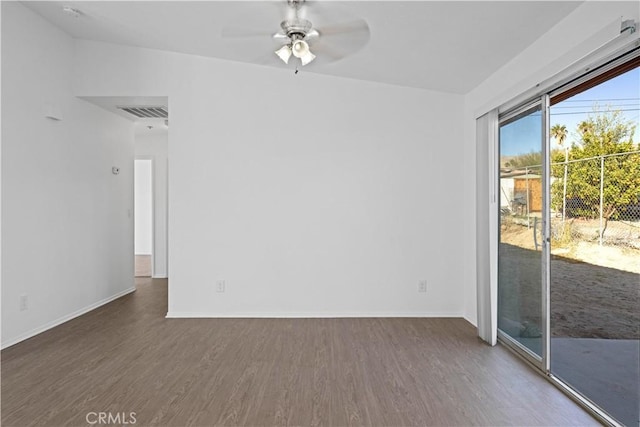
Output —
(449, 46)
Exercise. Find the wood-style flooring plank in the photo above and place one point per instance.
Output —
(127, 357)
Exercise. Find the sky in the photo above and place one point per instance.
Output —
(620, 93)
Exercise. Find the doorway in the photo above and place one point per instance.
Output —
(569, 236)
(595, 240)
(143, 208)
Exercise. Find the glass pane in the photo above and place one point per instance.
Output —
(520, 244)
(595, 244)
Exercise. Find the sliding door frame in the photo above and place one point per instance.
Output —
(542, 104)
(546, 235)
(625, 62)
(599, 67)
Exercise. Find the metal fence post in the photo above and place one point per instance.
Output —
(526, 175)
(564, 189)
(601, 195)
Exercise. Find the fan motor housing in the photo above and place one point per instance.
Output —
(297, 29)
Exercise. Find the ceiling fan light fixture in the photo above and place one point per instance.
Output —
(297, 36)
(300, 49)
(284, 53)
(307, 58)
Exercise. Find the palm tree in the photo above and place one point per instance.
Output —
(559, 132)
(585, 127)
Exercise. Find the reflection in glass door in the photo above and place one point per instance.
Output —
(520, 249)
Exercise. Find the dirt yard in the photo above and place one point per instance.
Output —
(595, 291)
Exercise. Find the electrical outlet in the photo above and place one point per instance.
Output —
(24, 300)
(220, 286)
(422, 286)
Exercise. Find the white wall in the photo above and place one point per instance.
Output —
(308, 194)
(153, 145)
(586, 29)
(143, 207)
(507, 186)
(67, 236)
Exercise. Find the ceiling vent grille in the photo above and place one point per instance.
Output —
(147, 112)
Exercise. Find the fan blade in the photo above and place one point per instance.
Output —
(312, 35)
(239, 33)
(357, 26)
(338, 41)
(281, 37)
(321, 49)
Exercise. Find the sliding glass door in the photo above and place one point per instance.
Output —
(595, 242)
(520, 248)
(568, 275)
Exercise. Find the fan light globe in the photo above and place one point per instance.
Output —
(284, 53)
(300, 48)
(307, 58)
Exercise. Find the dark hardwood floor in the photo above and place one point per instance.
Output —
(126, 357)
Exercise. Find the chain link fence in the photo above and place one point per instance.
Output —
(597, 200)
(593, 200)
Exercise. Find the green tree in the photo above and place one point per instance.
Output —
(601, 134)
(523, 160)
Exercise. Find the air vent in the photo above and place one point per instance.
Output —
(147, 112)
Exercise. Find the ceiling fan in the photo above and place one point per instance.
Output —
(301, 39)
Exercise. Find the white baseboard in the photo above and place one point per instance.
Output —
(202, 315)
(474, 324)
(65, 318)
